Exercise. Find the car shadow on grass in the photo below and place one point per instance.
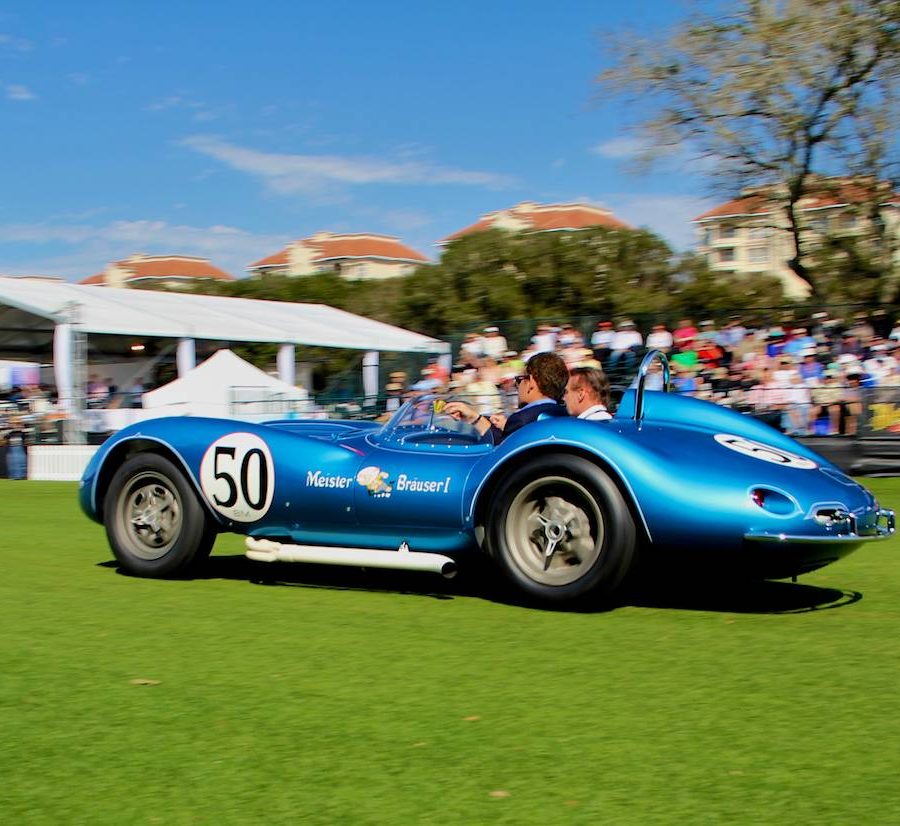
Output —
(700, 593)
(479, 579)
(334, 577)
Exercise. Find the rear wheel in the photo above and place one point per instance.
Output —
(155, 524)
(561, 530)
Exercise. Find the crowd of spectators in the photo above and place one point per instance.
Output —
(805, 377)
(27, 414)
(31, 414)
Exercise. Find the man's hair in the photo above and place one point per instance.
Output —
(594, 381)
(550, 373)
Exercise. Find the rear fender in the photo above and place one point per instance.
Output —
(671, 409)
(481, 488)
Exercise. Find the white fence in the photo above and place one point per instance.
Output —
(58, 463)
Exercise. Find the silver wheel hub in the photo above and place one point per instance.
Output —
(150, 513)
(554, 530)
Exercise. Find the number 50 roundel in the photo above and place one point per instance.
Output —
(237, 476)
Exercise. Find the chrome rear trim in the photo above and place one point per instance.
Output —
(885, 527)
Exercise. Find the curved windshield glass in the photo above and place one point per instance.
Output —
(423, 418)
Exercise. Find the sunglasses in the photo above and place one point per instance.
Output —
(519, 379)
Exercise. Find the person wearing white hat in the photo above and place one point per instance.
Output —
(601, 340)
(707, 331)
(394, 393)
(660, 338)
(471, 349)
(493, 345)
(625, 345)
(544, 340)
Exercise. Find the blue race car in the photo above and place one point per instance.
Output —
(562, 506)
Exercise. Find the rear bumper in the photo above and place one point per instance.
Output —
(777, 555)
(881, 527)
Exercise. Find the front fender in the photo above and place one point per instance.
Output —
(158, 436)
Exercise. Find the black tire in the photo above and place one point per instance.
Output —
(571, 499)
(154, 521)
(205, 548)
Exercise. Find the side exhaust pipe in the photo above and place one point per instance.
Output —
(403, 559)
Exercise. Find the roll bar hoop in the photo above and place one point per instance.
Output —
(646, 362)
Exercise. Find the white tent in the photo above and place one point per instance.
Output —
(36, 314)
(224, 386)
(25, 302)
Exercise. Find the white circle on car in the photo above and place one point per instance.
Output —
(237, 476)
(766, 453)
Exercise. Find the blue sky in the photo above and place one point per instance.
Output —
(226, 129)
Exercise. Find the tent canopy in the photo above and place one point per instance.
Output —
(30, 307)
(213, 387)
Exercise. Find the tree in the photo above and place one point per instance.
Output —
(599, 272)
(701, 292)
(777, 93)
(850, 271)
(497, 275)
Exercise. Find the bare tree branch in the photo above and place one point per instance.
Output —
(779, 94)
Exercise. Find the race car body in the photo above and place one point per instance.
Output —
(562, 505)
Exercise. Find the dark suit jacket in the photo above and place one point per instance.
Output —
(525, 416)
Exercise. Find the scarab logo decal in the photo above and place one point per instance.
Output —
(766, 453)
(237, 476)
(376, 481)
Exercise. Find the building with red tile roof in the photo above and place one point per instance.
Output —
(361, 256)
(172, 271)
(532, 217)
(749, 234)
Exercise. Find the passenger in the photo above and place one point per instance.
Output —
(540, 389)
(587, 394)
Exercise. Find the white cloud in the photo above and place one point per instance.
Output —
(401, 221)
(15, 91)
(79, 78)
(405, 220)
(18, 44)
(640, 154)
(200, 112)
(667, 215)
(621, 149)
(170, 102)
(94, 246)
(205, 115)
(289, 174)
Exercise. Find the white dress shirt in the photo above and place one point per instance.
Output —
(597, 413)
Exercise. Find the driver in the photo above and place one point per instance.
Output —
(540, 389)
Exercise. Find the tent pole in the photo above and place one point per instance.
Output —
(286, 366)
(370, 376)
(69, 368)
(185, 356)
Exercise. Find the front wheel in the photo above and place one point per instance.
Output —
(154, 522)
(560, 530)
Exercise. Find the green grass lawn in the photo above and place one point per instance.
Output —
(339, 696)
